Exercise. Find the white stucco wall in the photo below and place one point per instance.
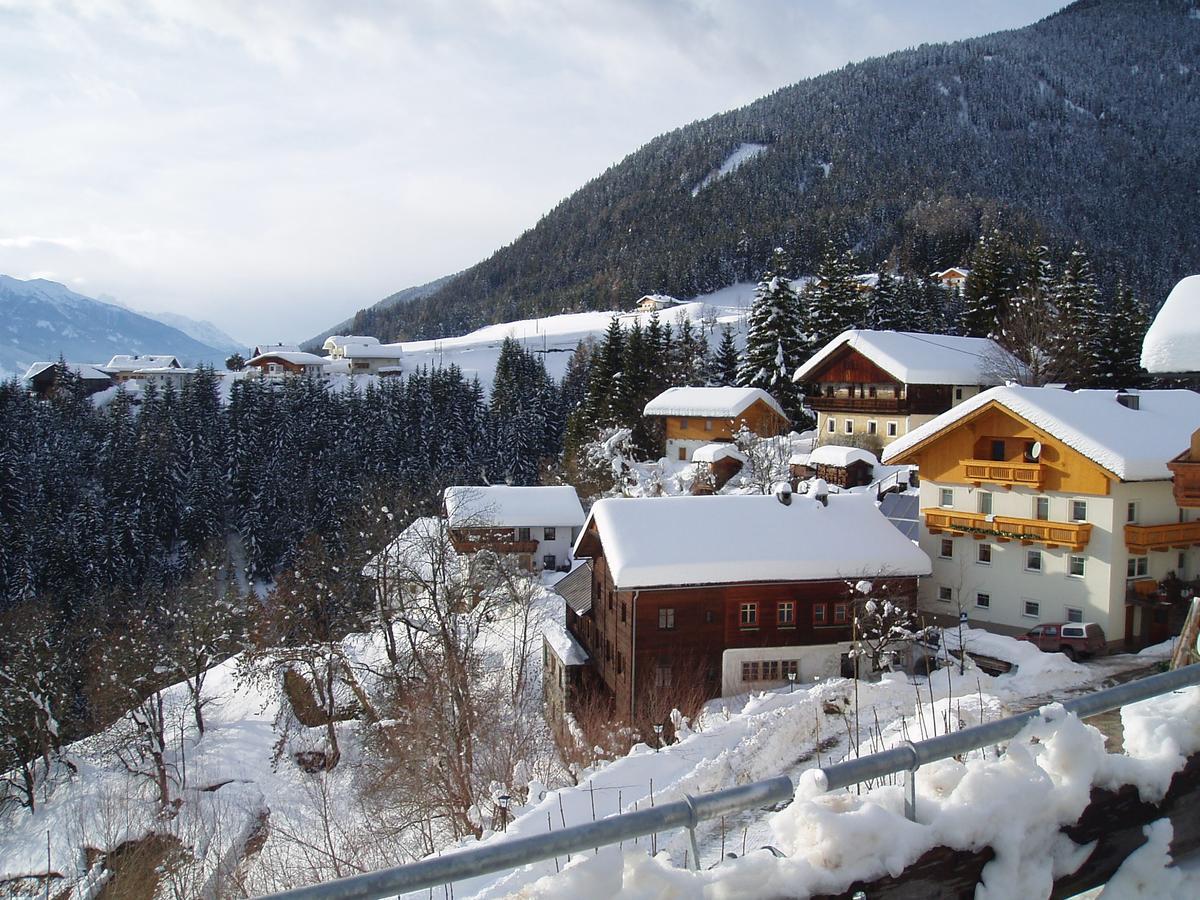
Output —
(820, 660)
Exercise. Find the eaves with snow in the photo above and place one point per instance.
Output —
(1172, 343)
(1132, 444)
(915, 358)
(711, 402)
(513, 506)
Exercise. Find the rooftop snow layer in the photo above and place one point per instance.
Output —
(338, 340)
(717, 450)
(732, 539)
(515, 507)
(563, 643)
(1172, 344)
(148, 360)
(712, 402)
(834, 455)
(372, 351)
(915, 358)
(295, 357)
(1132, 444)
(83, 370)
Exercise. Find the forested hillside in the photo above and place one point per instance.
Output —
(1080, 127)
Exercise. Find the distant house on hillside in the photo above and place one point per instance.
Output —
(125, 367)
(696, 416)
(278, 363)
(537, 525)
(953, 278)
(163, 376)
(655, 302)
(843, 467)
(336, 344)
(883, 384)
(724, 594)
(45, 378)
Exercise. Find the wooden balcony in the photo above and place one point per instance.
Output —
(1073, 535)
(1008, 474)
(864, 405)
(1175, 535)
(1186, 469)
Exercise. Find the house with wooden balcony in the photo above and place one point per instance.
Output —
(872, 387)
(698, 597)
(1042, 504)
(535, 525)
(695, 416)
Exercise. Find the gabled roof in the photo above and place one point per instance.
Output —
(338, 340)
(84, 371)
(915, 358)
(953, 270)
(263, 349)
(295, 357)
(733, 539)
(718, 450)
(513, 507)
(836, 455)
(133, 362)
(1172, 343)
(372, 351)
(1132, 444)
(712, 402)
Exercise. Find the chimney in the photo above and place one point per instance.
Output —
(783, 493)
(1129, 399)
(820, 491)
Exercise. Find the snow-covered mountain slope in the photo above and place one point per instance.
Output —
(43, 320)
(201, 330)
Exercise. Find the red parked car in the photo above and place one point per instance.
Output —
(1076, 640)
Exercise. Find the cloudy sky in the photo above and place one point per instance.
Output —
(274, 166)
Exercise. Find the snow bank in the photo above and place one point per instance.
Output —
(1172, 343)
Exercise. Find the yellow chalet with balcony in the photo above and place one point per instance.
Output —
(1049, 505)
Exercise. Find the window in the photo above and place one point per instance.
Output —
(947, 548)
(983, 554)
(790, 667)
(683, 423)
(549, 534)
(1075, 566)
(750, 671)
(872, 391)
(624, 612)
(620, 662)
(1032, 609)
(787, 613)
(872, 427)
(997, 451)
(947, 497)
(770, 670)
(958, 393)
(819, 611)
(849, 426)
(666, 618)
(832, 425)
(891, 429)
(749, 615)
(1033, 560)
(1137, 567)
(524, 534)
(1074, 614)
(945, 594)
(985, 502)
(1131, 511)
(662, 675)
(1041, 508)
(983, 601)
(709, 617)
(1078, 510)
(548, 561)
(683, 454)
(708, 424)
(841, 613)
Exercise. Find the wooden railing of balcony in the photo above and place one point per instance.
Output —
(1178, 535)
(1006, 473)
(896, 405)
(1186, 470)
(1074, 535)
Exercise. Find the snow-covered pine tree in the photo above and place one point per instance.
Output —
(986, 293)
(725, 361)
(837, 302)
(1120, 355)
(1080, 319)
(774, 348)
(885, 308)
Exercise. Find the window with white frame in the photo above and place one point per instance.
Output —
(891, 429)
(549, 534)
(1041, 508)
(872, 427)
(748, 615)
(983, 554)
(1033, 561)
(1078, 510)
(946, 551)
(983, 601)
(849, 426)
(832, 425)
(985, 502)
(1074, 614)
(666, 618)
(947, 497)
(786, 613)
(1131, 512)
(1137, 567)
(1032, 609)
(945, 594)
(1075, 566)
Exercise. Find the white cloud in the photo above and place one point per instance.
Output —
(274, 167)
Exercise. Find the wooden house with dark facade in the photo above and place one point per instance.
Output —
(716, 595)
(875, 386)
(695, 416)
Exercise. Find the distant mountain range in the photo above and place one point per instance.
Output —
(43, 320)
(1079, 127)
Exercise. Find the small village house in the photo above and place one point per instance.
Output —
(655, 302)
(954, 278)
(335, 345)
(45, 378)
(536, 525)
(162, 377)
(695, 416)
(843, 467)
(871, 387)
(715, 464)
(280, 363)
(126, 367)
(723, 594)
(1048, 505)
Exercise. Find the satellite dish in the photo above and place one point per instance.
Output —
(1036, 450)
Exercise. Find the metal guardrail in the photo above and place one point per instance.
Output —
(906, 758)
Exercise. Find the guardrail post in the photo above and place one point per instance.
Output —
(910, 782)
(691, 829)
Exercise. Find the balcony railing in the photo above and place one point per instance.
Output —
(896, 405)
(1074, 535)
(1187, 480)
(1008, 474)
(1178, 535)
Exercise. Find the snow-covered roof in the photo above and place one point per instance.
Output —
(164, 370)
(576, 587)
(372, 351)
(953, 271)
(422, 551)
(131, 363)
(799, 459)
(915, 358)
(83, 370)
(712, 402)
(295, 357)
(834, 455)
(1132, 444)
(563, 643)
(338, 340)
(658, 300)
(515, 507)
(263, 349)
(1172, 343)
(717, 450)
(731, 539)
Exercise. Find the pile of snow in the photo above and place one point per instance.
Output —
(1172, 343)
